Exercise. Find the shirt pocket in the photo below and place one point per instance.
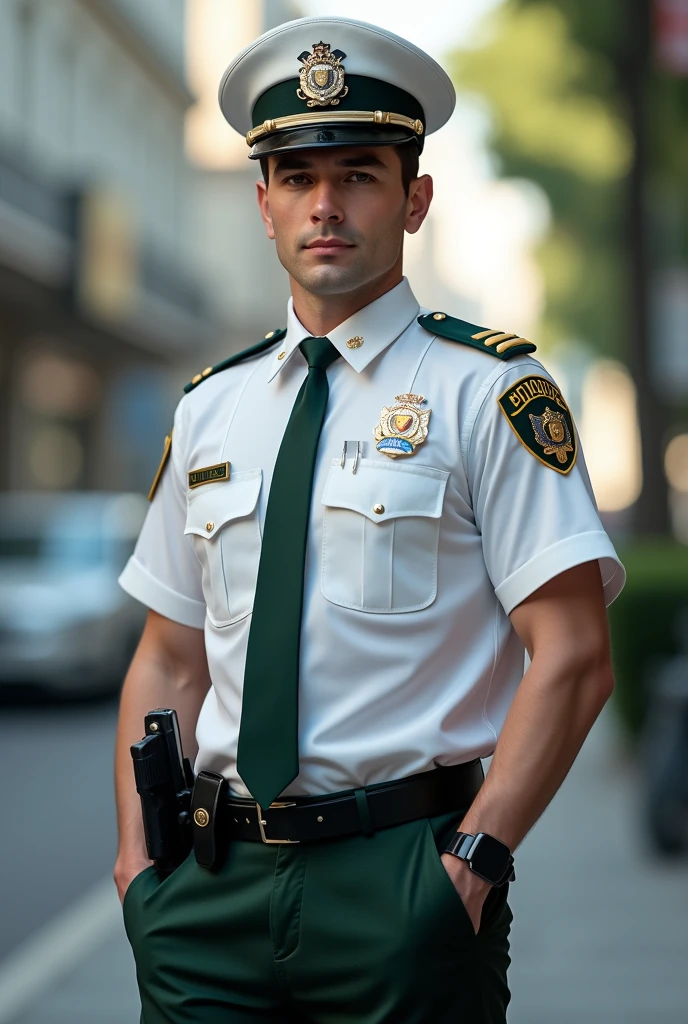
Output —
(380, 536)
(223, 521)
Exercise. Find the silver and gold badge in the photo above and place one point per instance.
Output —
(402, 427)
(322, 76)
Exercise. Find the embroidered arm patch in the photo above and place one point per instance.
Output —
(542, 421)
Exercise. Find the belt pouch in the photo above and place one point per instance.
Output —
(209, 826)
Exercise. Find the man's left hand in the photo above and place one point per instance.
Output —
(471, 888)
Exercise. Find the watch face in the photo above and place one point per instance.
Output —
(490, 857)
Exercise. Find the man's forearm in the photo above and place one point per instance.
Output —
(549, 718)
(156, 678)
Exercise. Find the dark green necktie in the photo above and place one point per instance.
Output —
(268, 751)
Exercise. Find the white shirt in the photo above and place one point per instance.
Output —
(408, 657)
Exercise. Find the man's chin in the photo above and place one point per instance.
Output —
(331, 280)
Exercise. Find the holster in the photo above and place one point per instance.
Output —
(209, 824)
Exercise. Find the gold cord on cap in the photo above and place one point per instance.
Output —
(274, 124)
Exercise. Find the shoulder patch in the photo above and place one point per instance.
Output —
(500, 344)
(167, 448)
(538, 415)
(270, 339)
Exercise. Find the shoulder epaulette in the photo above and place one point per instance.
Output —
(270, 339)
(495, 343)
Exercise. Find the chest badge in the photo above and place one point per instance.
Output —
(402, 427)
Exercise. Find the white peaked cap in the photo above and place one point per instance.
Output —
(371, 52)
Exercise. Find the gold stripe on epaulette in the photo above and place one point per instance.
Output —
(481, 335)
(500, 337)
(511, 343)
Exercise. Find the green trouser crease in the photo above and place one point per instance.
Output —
(268, 754)
(359, 930)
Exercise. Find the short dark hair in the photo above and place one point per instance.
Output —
(409, 157)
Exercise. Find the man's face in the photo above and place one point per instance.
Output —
(338, 215)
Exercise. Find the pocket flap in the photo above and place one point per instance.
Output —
(213, 505)
(394, 490)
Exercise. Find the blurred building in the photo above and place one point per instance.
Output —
(100, 289)
(251, 286)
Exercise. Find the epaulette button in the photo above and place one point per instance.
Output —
(439, 316)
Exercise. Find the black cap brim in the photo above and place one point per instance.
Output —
(324, 136)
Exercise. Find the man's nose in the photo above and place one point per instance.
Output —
(326, 207)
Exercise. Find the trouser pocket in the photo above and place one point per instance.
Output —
(137, 890)
(440, 830)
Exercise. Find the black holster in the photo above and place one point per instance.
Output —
(164, 780)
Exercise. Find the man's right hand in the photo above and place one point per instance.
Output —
(126, 870)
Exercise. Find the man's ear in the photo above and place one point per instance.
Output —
(264, 207)
(418, 202)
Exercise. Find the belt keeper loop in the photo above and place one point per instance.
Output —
(367, 827)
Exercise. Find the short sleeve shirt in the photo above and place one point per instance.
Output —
(408, 656)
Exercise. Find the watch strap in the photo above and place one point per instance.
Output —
(464, 844)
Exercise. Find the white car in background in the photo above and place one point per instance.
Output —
(66, 625)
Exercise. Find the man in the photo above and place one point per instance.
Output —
(363, 524)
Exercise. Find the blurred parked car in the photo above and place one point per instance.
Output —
(65, 624)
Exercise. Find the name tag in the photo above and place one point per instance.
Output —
(209, 475)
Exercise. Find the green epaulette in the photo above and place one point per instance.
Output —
(270, 339)
(495, 343)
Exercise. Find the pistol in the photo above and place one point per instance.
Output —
(164, 781)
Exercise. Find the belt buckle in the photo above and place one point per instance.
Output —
(262, 823)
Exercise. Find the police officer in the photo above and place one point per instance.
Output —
(364, 522)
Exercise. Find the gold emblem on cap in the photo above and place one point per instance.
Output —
(322, 76)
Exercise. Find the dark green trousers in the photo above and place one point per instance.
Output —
(360, 930)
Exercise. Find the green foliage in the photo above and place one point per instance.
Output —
(643, 622)
(549, 77)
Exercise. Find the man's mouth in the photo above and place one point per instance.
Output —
(327, 246)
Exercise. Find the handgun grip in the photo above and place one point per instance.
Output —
(150, 764)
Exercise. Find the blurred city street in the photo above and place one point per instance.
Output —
(600, 930)
(132, 255)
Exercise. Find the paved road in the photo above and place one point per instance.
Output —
(600, 932)
(58, 829)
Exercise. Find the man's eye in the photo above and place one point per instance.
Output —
(359, 176)
(296, 179)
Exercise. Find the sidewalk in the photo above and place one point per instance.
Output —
(600, 934)
(600, 929)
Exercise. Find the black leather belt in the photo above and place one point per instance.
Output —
(216, 812)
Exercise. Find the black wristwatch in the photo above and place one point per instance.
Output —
(486, 856)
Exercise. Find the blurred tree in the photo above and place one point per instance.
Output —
(557, 120)
(569, 86)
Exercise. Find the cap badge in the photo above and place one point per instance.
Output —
(402, 427)
(322, 76)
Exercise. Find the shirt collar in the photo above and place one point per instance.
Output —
(372, 329)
